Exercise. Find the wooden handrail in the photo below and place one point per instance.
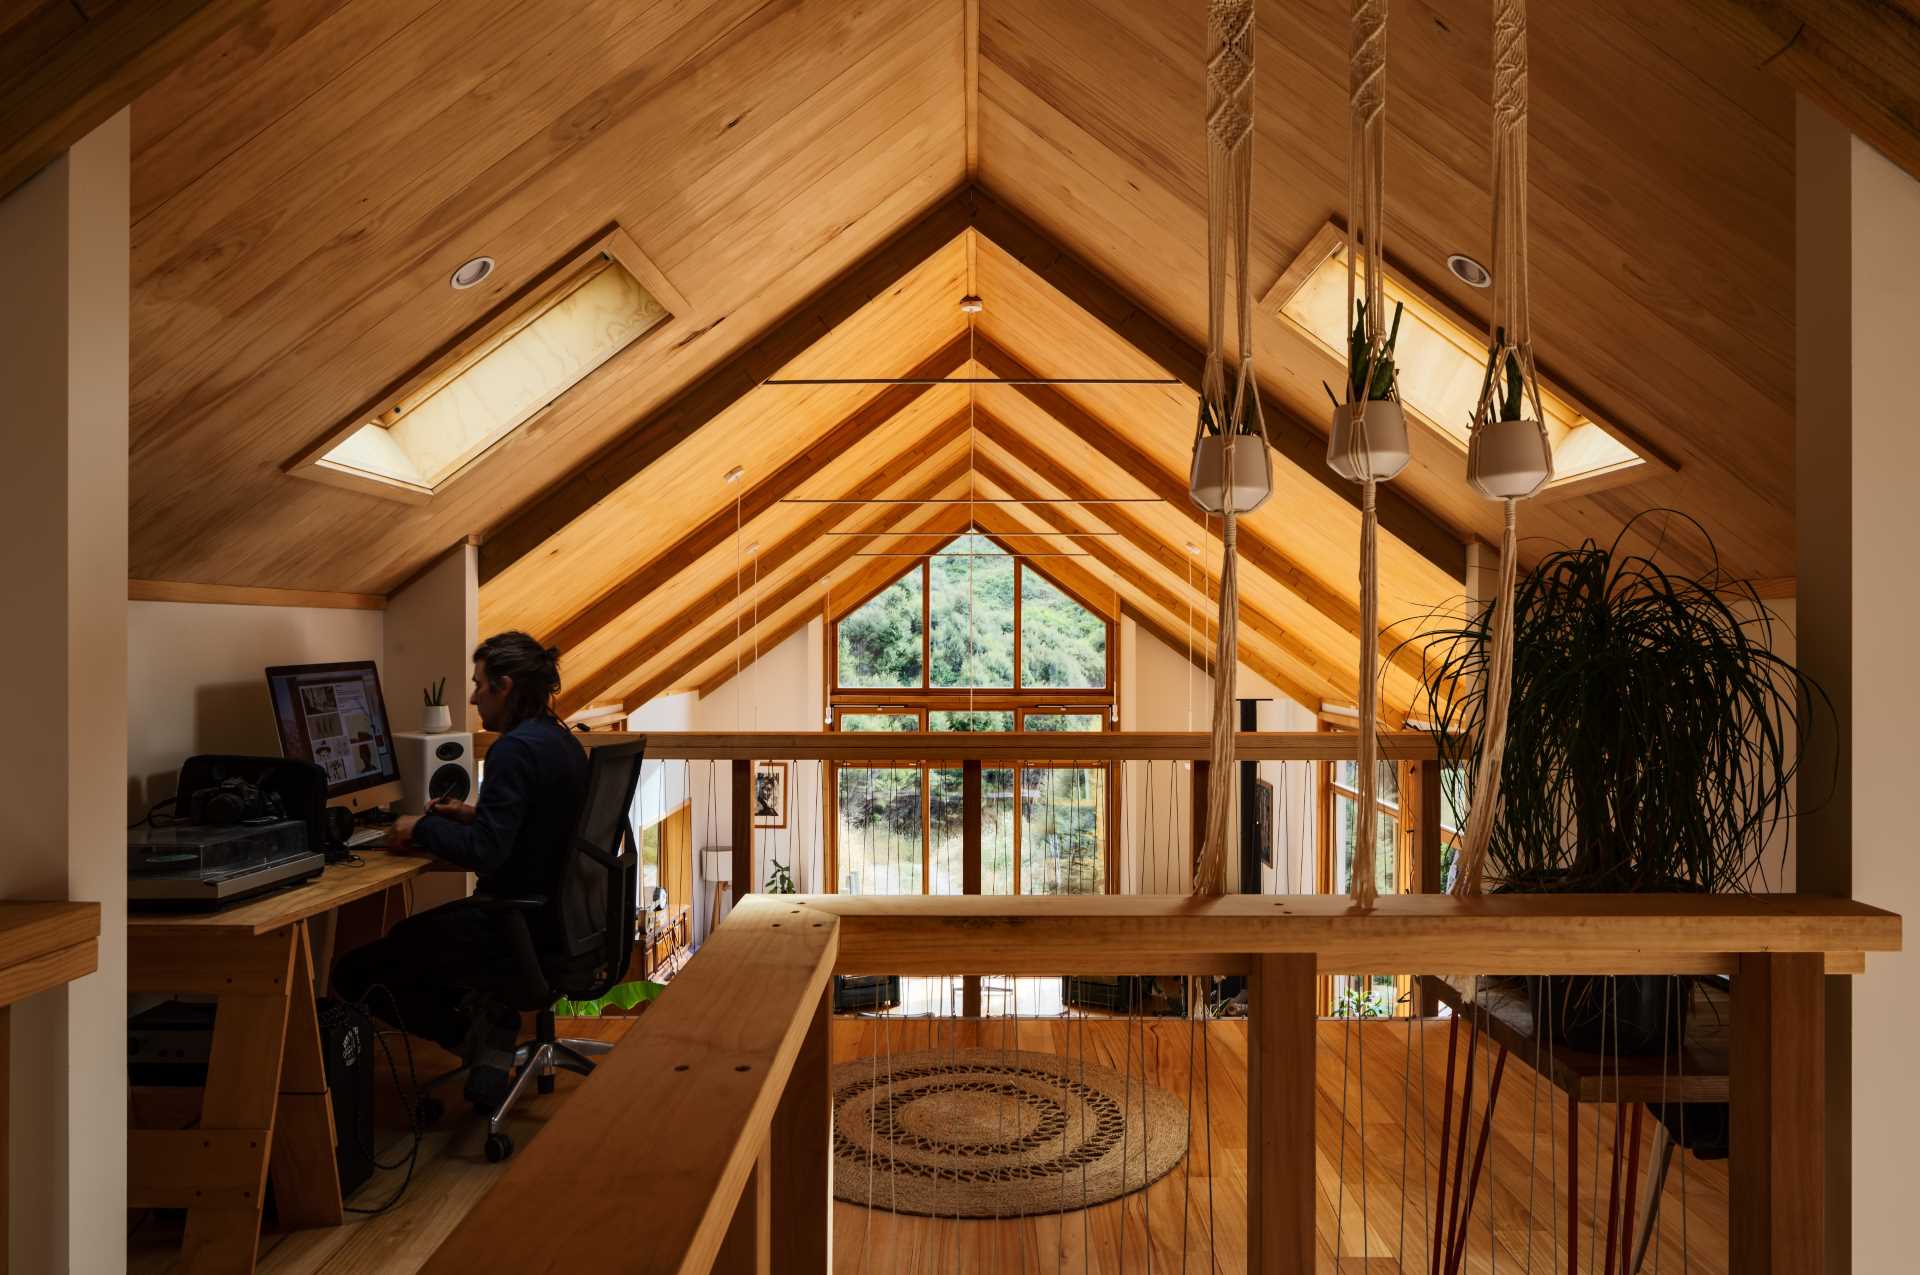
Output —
(1030, 746)
(1402, 934)
(708, 1065)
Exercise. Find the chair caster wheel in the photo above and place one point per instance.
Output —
(429, 1111)
(544, 1083)
(499, 1147)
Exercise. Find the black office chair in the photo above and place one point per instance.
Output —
(589, 922)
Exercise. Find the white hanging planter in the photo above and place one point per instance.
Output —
(1385, 453)
(1509, 460)
(1251, 482)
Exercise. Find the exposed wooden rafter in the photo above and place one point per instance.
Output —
(1295, 439)
(657, 433)
(1161, 594)
(875, 575)
(1260, 553)
(758, 499)
(1858, 59)
(818, 577)
(65, 70)
(726, 595)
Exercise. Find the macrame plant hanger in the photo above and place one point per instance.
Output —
(1368, 442)
(1231, 472)
(1508, 454)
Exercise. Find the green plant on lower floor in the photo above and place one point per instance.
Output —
(1352, 1002)
(779, 879)
(625, 996)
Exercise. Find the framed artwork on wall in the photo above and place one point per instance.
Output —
(770, 794)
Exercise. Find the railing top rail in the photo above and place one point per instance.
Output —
(674, 1119)
(1031, 746)
(1412, 933)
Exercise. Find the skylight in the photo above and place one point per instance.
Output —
(452, 411)
(1440, 361)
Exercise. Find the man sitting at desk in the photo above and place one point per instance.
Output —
(427, 966)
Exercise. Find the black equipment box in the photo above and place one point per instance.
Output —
(169, 1044)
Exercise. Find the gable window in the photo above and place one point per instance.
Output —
(528, 354)
(972, 638)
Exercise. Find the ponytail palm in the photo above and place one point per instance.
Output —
(1653, 735)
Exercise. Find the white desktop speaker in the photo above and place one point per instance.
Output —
(433, 766)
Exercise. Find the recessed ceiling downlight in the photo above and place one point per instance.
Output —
(471, 272)
(1469, 271)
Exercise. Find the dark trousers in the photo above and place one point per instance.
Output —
(421, 977)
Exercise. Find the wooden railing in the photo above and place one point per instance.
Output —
(973, 752)
(730, 1067)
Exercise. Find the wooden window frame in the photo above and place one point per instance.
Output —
(926, 699)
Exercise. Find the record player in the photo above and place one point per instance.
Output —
(206, 866)
(241, 826)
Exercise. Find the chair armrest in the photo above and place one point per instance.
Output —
(527, 903)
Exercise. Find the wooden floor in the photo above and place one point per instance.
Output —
(450, 1177)
(1199, 1207)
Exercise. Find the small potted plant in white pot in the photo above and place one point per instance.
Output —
(437, 719)
(1208, 481)
(1369, 437)
(1508, 456)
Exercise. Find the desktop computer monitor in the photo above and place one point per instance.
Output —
(333, 716)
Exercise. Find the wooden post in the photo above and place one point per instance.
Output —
(748, 1247)
(742, 785)
(6, 1117)
(802, 1155)
(1426, 786)
(1776, 1171)
(1197, 799)
(972, 815)
(1280, 1115)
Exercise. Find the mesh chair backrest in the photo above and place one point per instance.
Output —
(596, 901)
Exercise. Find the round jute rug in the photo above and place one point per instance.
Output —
(996, 1133)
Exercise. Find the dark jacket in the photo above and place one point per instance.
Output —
(536, 782)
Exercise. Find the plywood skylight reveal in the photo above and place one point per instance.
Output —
(1440, 360)
(529, 353)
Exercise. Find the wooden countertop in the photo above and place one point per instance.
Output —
(45, 944)
(339, 883)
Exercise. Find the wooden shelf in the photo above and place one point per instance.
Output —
(43, 945)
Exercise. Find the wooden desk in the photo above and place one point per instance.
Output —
(266, 1105)
(42, 945)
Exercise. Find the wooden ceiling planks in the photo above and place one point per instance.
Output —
(762, 430)
(900, 447)
(304, 187)
(1662, 243)
(291, 254)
